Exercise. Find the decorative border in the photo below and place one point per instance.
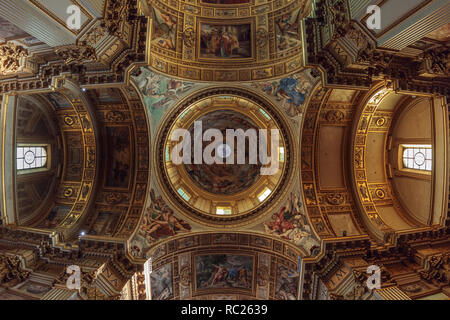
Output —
(320, 203)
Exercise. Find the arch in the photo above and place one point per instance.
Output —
(192, 50)
(328, 198)
(253, 266)
(375, 163)
(36, 126)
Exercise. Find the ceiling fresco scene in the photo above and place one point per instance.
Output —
(224, 150)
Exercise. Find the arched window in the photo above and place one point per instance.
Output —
(31, 157)
(417, 157)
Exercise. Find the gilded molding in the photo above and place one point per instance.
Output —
(11, 58)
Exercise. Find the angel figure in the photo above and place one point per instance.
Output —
(165, 28)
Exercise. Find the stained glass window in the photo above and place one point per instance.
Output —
(417, 157)
(31, 157)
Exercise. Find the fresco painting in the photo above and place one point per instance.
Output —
(288, 32)
(291, 92)
(291, 223)
(225, 41)
(164, 30)
(118, 159)
(161, 283)
(224, 271)
(159, 222)
(159, 93)
(224, 179)
(287, 284)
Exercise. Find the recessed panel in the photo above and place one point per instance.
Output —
(331, 139)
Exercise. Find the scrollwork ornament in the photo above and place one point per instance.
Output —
(76, 53)
(189, 37)
(11, 56)
(68, 192)
(261, 38)
(11, 271)
(185, 276)
(263, 276)
(113, 198)
(335, 116)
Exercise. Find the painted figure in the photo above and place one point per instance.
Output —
(229, 41)
(292, 92)
(165, 29)
(224, 271)
(291, 224)
(288, 30)
(159, 221)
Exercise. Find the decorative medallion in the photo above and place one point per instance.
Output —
(68, 192)
(69, 120)
(380, 121)
(380, 193)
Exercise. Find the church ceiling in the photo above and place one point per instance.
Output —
(283, 215)
(114, 201)
(213, 41)
(243, 109)
(261, 268)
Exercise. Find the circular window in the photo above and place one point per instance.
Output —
(223, 156)
(419, 158)
(29, 157)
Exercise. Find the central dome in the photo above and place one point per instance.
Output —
(223, 155)
(224, 179)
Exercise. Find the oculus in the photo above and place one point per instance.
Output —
(232, 189)
(225, 168)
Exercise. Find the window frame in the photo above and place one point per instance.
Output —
(264, 194)
(46, 167)
(184, 194)
(405, 146)
(226, 210)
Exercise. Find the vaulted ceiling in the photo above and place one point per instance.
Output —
(104, 101)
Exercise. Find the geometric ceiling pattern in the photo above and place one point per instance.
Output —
(320, 109)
